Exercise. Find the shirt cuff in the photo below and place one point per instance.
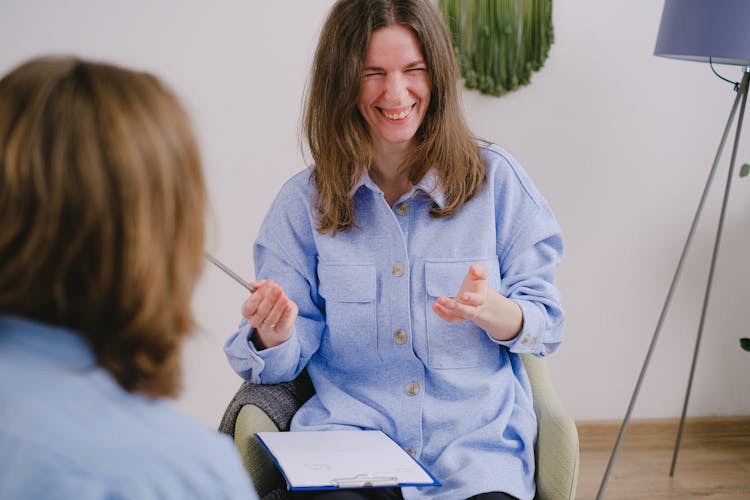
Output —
(265, 366)
(528, 340)
(279, 362)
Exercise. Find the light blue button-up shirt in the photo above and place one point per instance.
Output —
(68, 431)
(378, 355)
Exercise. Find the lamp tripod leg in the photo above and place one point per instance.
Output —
(743, 95)
(672, 287)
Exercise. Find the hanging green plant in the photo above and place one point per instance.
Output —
(499, 43)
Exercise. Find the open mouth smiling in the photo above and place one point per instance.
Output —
(397, 115)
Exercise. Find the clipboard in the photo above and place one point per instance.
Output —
(338, 459)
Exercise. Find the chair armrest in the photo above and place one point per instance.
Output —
(558, 458)
(258, 408)
(258, 463)
(278, 401)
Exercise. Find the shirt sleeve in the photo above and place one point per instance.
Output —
(285, 252)
(530, 247)
(528, 279)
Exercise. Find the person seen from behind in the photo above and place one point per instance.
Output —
(102, 204)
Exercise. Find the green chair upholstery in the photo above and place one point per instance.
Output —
(270, 408)
(557, 454)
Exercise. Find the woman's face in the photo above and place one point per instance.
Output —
(395, 88)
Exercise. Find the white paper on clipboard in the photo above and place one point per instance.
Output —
(343, 459)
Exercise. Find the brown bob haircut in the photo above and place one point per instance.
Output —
(102, 205)
(337, 134)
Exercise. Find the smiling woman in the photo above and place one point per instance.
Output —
(409, 267)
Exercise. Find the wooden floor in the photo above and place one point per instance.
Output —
(713, 462)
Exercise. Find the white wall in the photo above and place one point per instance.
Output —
(618, 140)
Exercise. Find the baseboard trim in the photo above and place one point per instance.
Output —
(598, 437)
(695, 425)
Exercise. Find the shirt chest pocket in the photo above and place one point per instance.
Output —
(462, 344)
(349, 291)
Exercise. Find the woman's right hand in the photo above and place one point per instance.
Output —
(271, 313)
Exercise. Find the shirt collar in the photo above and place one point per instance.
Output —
(429, 185)
(56, 343)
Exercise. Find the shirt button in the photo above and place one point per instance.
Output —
(402, 208)
(412, 388)
(397, 270)
(400, 336)
(411, 452)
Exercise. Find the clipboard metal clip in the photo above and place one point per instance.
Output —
(365, 481)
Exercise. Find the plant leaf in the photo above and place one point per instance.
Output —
(745, 343)
(744, 169)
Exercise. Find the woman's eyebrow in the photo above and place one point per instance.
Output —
(407, 66)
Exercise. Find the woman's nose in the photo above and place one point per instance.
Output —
(395, 88)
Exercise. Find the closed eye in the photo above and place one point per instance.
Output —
(369, 74)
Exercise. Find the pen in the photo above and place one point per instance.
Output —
(231, 273)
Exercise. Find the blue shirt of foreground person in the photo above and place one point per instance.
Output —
(70, 432)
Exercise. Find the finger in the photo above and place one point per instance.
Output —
(274, 315)
(440, 311)
(445, 313)
(288, 316)
(256, 306)
(267, 321)
(474, 278)
(478, 272)
(250, 306)
(470, 299)
(266, 306)
(463, 311)
(457, 309)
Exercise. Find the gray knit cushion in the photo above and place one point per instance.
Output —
(278, 401)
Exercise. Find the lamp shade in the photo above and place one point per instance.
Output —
(697, 30)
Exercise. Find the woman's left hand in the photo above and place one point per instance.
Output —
(470, 299)
(499, 316)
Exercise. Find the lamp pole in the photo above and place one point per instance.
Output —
(741, 97)
(741, 94)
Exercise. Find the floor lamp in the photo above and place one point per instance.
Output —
(712, 31)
